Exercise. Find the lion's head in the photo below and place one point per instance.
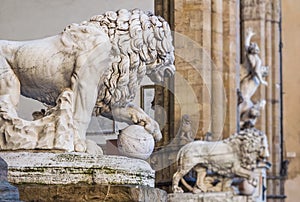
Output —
(141, 45)
(253, 146)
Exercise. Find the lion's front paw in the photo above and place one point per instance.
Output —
(148, 123)
(253, 182)
(88, 146)
(154, 129)
(80, 146)
(93, 148)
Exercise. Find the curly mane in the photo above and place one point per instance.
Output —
(140, 43)
(249, 142)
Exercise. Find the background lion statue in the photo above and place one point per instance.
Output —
(236, 156)
(102, 61)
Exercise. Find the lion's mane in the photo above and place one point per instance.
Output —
(140, 42)
(249, 143)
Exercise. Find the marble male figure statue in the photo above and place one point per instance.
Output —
(253, 75)
(99, 62)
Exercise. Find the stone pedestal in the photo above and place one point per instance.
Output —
(90, 193)
(81, 177)
(206, 197)
(7, 191)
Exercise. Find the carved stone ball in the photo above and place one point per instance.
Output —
(245, 188)
(134, 141)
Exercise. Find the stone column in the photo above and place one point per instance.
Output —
(217, 87)
(231, 65)
(212, 25)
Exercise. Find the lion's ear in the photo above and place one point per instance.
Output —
(66, 39)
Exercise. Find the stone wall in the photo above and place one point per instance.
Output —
(208, 62)
(291, 96)
(208, 41)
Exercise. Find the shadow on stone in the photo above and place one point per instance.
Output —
(7, 191)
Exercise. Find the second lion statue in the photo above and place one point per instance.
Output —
(101, 61)
(237, 155)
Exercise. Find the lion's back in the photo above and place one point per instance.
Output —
(201, 151)
(44, 67)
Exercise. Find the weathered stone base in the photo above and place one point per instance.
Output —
(74, 168)
(207, 197)
(90, 193)
(81, 177)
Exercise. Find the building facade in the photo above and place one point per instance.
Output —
(208, 59)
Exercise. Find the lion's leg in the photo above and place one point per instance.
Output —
(200, 185)
(176, 178)
(90, 66)
(9, 83)
(134, 114)
(248, 174)
(242, 172)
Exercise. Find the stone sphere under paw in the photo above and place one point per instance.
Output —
(134, 141)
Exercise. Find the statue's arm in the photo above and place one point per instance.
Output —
(249, 35)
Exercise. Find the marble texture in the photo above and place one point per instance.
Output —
(206, 197)
(74, 168)
(217, 163)
(53, 130)
(102, 61)
(134, 141)
(253, 75)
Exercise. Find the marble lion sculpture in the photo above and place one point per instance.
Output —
(101, 61)
(236, 156)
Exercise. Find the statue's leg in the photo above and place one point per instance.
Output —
(90, 66)
(133, 114)
(226, 184)
(9, 83)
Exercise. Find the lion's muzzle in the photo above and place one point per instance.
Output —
(169, 71)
